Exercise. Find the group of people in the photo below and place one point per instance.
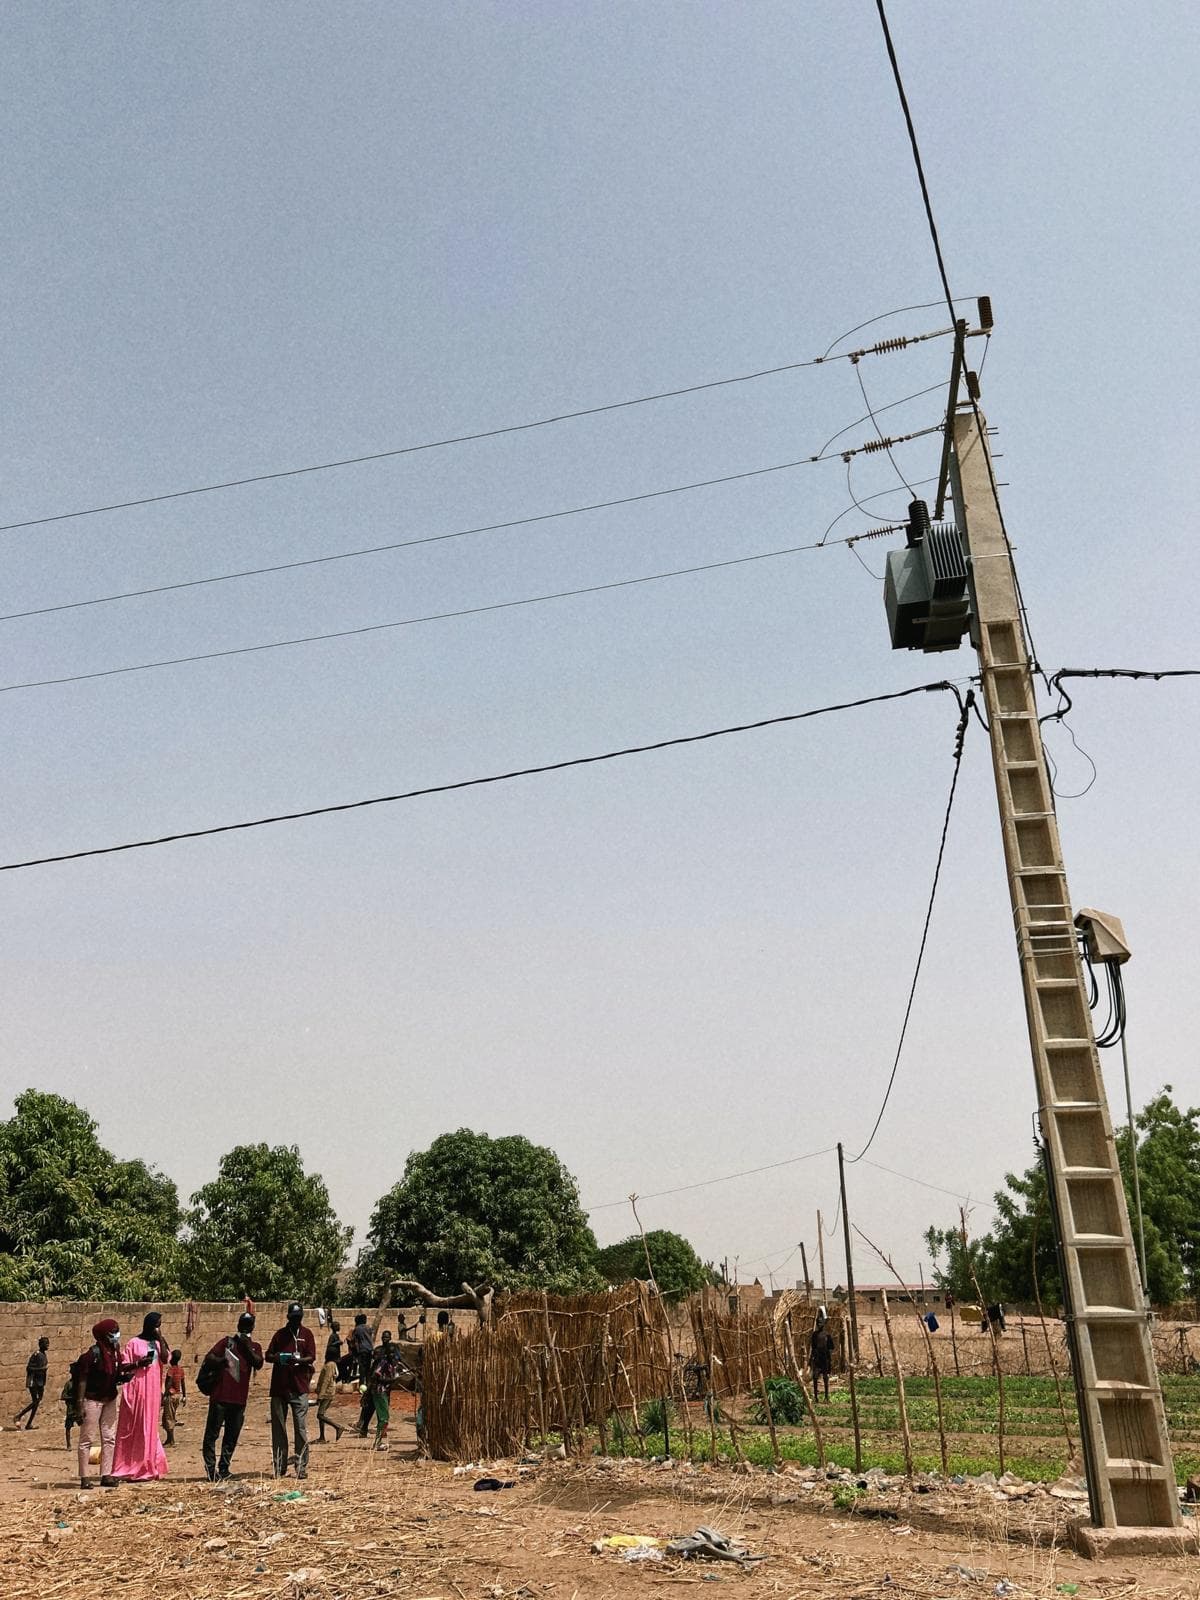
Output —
(125, 1392)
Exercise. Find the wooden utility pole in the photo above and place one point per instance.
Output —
(849, 1258)
(821, 1254)
(804, 1269)
(1127, 1457)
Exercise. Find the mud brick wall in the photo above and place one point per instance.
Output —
(68, 1325)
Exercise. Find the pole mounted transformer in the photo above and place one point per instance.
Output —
(947, 582)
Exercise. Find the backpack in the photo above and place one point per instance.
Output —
(212, 1370)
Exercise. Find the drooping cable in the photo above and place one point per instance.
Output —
(725, 1177)
(959, 740)
(473, 783)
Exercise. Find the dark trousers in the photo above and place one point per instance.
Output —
(297, 1406)
(221, 1415)
(35, 1400)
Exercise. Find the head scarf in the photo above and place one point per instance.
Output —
(108, 1353)
(150, 1327)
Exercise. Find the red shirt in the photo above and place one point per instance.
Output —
(97, 1383)
(174, 1380)
(292, 1377)
(231, 1391)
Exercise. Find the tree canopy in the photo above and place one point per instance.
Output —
(678, 1270)
(76, 1223)
(1168, 1153)
(265, 1228)
(476, 1209)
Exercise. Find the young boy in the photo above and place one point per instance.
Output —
(326, 1395)
(71, 1419)
(174, 1394)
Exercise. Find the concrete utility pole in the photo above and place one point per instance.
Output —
(849, 1258)
(821, 1253)
(1127, 1457)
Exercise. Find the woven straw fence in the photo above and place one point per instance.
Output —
(565, 1364)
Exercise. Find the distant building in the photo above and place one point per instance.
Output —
(867, 1295)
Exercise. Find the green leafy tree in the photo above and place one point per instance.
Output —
(678, 1270)
(76, 1223)
(265, 1228)
(475, 1209)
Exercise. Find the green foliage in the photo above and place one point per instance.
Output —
(75, 1223)
(678, 1270)
(846, 1496)
(786, 1399)
(265, 1228)
(480, 1210)
(654, 1415)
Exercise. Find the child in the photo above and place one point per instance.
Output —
(71, 1419)
(326, 1394)
(174, 1394)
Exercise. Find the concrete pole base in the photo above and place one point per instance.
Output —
(1103, 1544)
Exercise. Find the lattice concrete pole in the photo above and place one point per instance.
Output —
(1131, 1479)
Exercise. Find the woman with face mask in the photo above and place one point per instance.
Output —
(98, 1374)
(139, 1453)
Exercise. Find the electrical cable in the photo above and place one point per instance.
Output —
(491, 778)
(857, 505)
(959, 740)
(941, 266)
(466, 438)
(869, 415)
(705, 1183)
(435, 538)
(875, 424)
(936, 1187)
(409, 622)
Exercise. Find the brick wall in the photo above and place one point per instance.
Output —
(68, 1325)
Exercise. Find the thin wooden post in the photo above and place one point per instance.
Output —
(878, 1351)
(807, 1279)
(1025, 1345)
(853, 1413)
(766, 1400)
(954, 1337)
(798, 1374)
(929, 1350)
(821, 1254)
(1037, 1295)
(552, 1356)
(905, 1435)
(991, 1334)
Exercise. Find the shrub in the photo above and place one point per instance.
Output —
(786, 1400)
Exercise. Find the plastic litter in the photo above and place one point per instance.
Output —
(707, 1544)
(643, 1552)
(628, 1541)
(494, 1483)
(292, 1494)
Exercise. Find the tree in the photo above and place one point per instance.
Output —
(678, 1270)
(76, 1223)
(263, 1228)
(479, 1210)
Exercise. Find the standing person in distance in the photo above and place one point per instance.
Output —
(174, 1395)
(820, 1355)
(139, 1453)
(326, 1395)
(97, 1375)
(238, 1357)
(362, 1347)
(292, 1353)
(333, 1345)
(35, 1381)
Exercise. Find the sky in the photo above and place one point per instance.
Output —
(244, 239)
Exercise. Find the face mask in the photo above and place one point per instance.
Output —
(115, 1338)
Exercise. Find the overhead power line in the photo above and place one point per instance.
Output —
(409, 622)
(960, 737)
(472, 783)
(458, 533)
(924, 1184)
(726, 1177)
(885, 347)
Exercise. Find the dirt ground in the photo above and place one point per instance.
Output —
(385, 1524)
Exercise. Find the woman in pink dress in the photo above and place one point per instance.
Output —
(139, 1453)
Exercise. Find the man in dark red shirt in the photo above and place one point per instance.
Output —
(293, 1354)
(240, 1356)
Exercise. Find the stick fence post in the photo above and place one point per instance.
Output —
(905, 1435)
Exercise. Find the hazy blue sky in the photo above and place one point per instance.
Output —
(241, 238)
